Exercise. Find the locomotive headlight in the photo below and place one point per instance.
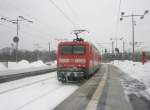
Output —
(80, 60)
(63, 60)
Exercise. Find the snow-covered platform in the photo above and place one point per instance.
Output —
(115, 99)
(102, 91)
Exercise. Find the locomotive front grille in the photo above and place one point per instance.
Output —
(71, 74)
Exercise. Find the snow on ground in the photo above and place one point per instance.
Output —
(2, 67)
(52, 63)
(136, 77)
(37, 64)
(42, 92)
(23, 64)
(20, 65)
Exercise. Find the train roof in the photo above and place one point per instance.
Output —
(74, 42)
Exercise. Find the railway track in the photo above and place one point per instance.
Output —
(33, 90)
(25, 85)
(11, 77)
(39, 97)
(42, 80)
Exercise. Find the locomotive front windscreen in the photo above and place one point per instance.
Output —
(72, 49)
(66, 50)
(78, 49)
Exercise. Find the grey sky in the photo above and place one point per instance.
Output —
(97, 16)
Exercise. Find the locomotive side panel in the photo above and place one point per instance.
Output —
(94, 60)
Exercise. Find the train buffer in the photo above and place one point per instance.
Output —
(101, 92)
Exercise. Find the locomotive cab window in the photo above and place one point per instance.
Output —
(78, 49)
(72, 49)
(66, 50)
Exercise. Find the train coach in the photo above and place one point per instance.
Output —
(76, 60)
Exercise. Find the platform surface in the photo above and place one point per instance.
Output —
(112, 96)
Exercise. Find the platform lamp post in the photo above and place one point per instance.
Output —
(133, 24)
(16, 22)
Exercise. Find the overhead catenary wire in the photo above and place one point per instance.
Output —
(74, 13)
(18, 9)
(45, 25)
(71, 9)
(38, 31)
(25, 12)
(27, 33)
(29, 16)
(63, 13)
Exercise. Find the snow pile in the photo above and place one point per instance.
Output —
(20, 65)
(52, 63)
(37, 64)
(23, 64)
(136, 79)
(2, 67)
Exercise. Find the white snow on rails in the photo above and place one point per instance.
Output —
(26, 94)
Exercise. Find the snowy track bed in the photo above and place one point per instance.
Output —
(41, 92)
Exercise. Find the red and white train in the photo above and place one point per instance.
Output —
(76, 60)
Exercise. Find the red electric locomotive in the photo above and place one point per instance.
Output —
(76, 60)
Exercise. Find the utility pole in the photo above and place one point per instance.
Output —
(123, 50)
(123, 47)
(133, 24)
(16, 22)
(133, 49)
(49, 49)
(112, 47)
